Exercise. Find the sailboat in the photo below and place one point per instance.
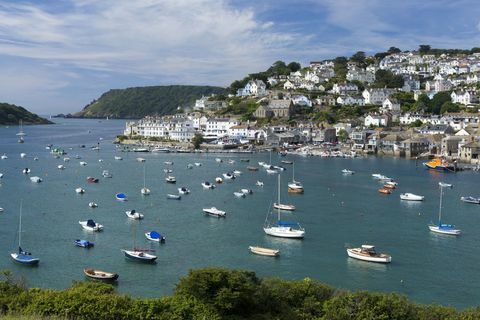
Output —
(442, 227)
(278, 205)
(23, 256)
(137, 254)
(283, 229)
(145, 191)
(20, 133)
(295, 186)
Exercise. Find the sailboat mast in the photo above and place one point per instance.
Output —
(144, 175)
(440, 207)
(278, 209)
(293, 172)
(20, 227)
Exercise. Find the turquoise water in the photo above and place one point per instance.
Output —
(336, 211)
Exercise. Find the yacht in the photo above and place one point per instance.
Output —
(367, 253)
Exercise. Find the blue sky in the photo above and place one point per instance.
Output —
(58, 55)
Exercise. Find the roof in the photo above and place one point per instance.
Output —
(393, 137)
(279, 104)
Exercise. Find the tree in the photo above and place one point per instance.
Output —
(416, 124)
(438, 100)
(422, 103)
(449, 107)
(358, 57)
(340, 67)
(197, 140)
(392, 50)
(342, 135)
(385, 78)
(294, 66)
(424, 48)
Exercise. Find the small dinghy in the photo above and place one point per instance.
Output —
(285, 207)
(118, 158)
(183, 190)
(171, 179)
(208, 185)
(154, 236)
(250, 168)
(106, 174)
(91, 225)
(26, 171)
(259, 183)
(66, 159)
(92, 180)
(246, 191)
(228, 176)
(121, 197)
(141, 159)
(218, 180)
(83, 163)
(168, 163)
(198, 164)
(173, 196)
(4, 157)
(35, 158)
(23, 155)
(61, 167)
(239, 194)
(215, 212)
(36, 179)
(218, 160)
(100, 275)
(384, 191)
(80, 190)
(139, 255)
(237, 173)
(167, 170)
(92, 205)
(264, 251)
(132, 214)
(348, 172)
(83, 243)
(231, 161)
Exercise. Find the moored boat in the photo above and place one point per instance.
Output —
(443, 228)
(348, 172)
(384, 191)
(121, 197)
(183, 190)
(411, 197)
(83, 163)
(286, 162)
(133, 214)
(100, 275)
(389, 186)
(92, 205)
(264, 251)
(154, 236)
(91, 225)
(141, 159)
(118, 158)
(228, 176)
(83, 243)
(285, 207)
(239, 194)
(368, 253)
(106, 174)
(26, 171)
(208, 185)
(139, 255)
(171, 179)
(215, 212)
(470, 199)
(259, 183)
(92, 180)
(174, 196)
(250, 168)
(80, 190)
(439, 164)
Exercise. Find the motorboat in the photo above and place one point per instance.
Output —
(443, 228)
(279, 168)
(118, 158)
(271, 171)
(367, 253)
(261, 163)
(264, 251)
(61, 167)
(36, 179)
(239, 194)
(92, 180)
(259, 183)
(139, 255)
(140, 150)
(198, 164)
(215, 212)
(171, 179)
(141, 159)
(231, 161)
(246, 191)
(286, 162)
(4, 157)
(389, 186)
(92, 205)
(218, 180)
(167, 170)
(250, 168)
(1, 209)
(145, 191)
(470, 199)
(154, 236)
(237, 173)
(228, 176)
(285, 207)
(348, 172)
(183, 190)
(439, 164)
(91, 225)
(218, 160)
(106, 174)
(66, 159)
(381, 177)
(174, 196)
(83, 163)
(23, 155)
(295, 187)
(384, 191)
(35, 158)
(80, 190)
(391, 183)
(121, 197)
(100, 275)
(83, 243)
(168, 163)
(164, 150)
(26, 171)
(411, 197)
(132, 214)
(208, 185)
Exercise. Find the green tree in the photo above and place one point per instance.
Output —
(385, 78)
(449, 107)
(342, 135)
(423, 103)
(294, 66)
(416, 124)
(197, 140)
(358, 57)
(392, 50)
(340, 67)
(438, 100)
(424, 49)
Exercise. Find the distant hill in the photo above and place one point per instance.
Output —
(142, 101)
(12, 114)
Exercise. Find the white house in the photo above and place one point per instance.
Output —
(462, 97)
(376, 96)
(288, 85)
(350, 100)
(253, 88)
(390, 104)
(219, 127)
(376, 120)
(239, 131)
(301, 100)
(344, 88)
(200, 103)
(360, 75)
(343, 126)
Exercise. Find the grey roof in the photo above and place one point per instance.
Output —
(279, 104)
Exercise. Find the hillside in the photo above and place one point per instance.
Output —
(141, 101)
(11, 114)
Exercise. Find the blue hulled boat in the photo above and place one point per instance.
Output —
(83, 243)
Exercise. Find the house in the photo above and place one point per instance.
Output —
(263, 112)
(438, 85)
(351, 100)
(281, 108)
(451, 144)
(414, 147)
(324, 135)
(200, 103)
(219, 127)
(390, 144)
(359, 138)
(462, 97)
(272, 81)
(376, 96)
(377, 120)
(325, 101)
(239, 131)
(344, 88)
(360, 75)
(390, 104)
(470, 152)
(343, 126)
(301, 100)
(433, 129)
(253, 88)
(288, 85)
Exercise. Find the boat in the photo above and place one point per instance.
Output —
(239, 194)
(164, 150)
(286, 162)
(237, 173)
(411, 197)
(347, 172)
(66, 159)
(367, 253)
(1, 209)
(91, 225)
(132, 214)
(26, 171)
(20, 133)
(35, 158)
(145, 191)
(250, 168)
(92, 180)
(295, 186)
(228, 176)
(100, 275)
(470, 199)
(259, 183)
(264, 251)
(218, 180)
(118, 158)
(23, 155)
(92, 205)
(384, 191)
(218, 160)
(271, 171)
(4, 156)
(61, 167)
(171, 179)
(198, 164)
(244, 160)
(106, 174)
(139, 255)
(183, 190)
(168, 163)
(36, 179)
(381, 177)
(231, 161)
(83, 163)
(440, 227)
(140, 150)
(389, 186)
(141, 159)
(391, 183)
(278, 205)
(279, 168)
(189, 166)
(22, 256)
(154, 236)
(174, 196)
(167, 170)
(215, 212)
(83, 243)
(261, 163)
(80, 190)
(246, 191)
(208, 185)
(283, 229)
(439, 164)
(121, 197)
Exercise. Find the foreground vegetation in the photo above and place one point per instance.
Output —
(215, 293)
(11, 115)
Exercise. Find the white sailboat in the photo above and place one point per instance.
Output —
(443, 228)
(23, 256)
(281, 206)
(20, 133)
(295, 186)
(283, 229)
(145, 191)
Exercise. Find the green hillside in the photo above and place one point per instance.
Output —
(12, 114)
(141, 101)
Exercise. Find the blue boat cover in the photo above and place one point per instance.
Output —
(446, 226)
(91, 223)
(282, 223)
(121, 195)
(155, 235)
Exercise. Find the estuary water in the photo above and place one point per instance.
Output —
(336, 211)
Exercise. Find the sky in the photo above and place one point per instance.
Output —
(58, 55)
